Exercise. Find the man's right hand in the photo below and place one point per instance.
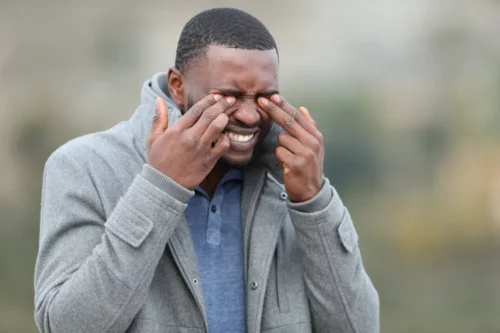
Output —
(185, 152)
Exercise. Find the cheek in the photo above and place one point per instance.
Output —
(264, 117)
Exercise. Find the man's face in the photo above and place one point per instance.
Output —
(246, 75)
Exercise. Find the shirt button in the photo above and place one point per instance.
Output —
(283, 196)
(254, 285)
(214, 208)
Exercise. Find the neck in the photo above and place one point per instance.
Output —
(209, 184)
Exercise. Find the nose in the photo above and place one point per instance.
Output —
(247, 113)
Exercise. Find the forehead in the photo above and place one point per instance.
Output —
(245, 70)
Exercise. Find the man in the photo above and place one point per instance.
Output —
(207, 211)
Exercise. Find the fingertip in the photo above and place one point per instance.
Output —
(225, 141)
(160, 104)
(276, 98)
(263, 101)
(217, 97)
(306, 114)
(222, 144)
(161, 114)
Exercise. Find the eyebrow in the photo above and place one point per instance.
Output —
(240, 94)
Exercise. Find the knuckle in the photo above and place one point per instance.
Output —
(215, 110)
(293, 165)
(320, 138)
(309, 154)
(210, 116)
(196, 112)
(296, 114)
(206, 102)
(282, 137)
(189, 138)
(316, 146)
(174, 130)
(156, 117)
(281, 102)
(271, 106)
(206, 162)
(288, 120)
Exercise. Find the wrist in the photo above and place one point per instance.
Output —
(317, 202)
(166, 183)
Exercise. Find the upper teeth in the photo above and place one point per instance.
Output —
(239, 137)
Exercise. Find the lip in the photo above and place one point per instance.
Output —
(240, 130)
(244, 146)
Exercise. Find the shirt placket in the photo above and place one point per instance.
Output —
(214, 222)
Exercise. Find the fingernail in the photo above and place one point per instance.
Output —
(217, 97)
(275, 98)
(230, 99)
(263, 101)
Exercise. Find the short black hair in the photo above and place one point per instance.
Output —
(228, 27)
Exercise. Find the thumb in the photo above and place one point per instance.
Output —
(160, 121)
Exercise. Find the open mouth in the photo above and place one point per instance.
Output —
(239, 137)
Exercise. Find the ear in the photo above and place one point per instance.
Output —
(176, 87)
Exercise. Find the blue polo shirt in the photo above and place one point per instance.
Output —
(215, 226)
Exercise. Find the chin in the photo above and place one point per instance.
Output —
(236, 160)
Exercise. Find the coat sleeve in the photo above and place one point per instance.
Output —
(92, 274)
(341, 295)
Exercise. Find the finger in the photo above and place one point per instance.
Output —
(160, 122)
(287, 117)
(306, 114)
(305, 121)
(221, 147)
(285, 157)
(290, 143)
(214, 129)
(285, 106)
(194, 113)
(211, 113)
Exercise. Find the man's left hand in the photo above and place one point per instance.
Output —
(300, 150)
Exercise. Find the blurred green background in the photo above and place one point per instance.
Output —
(405, 92)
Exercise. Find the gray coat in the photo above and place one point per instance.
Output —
(116, 255)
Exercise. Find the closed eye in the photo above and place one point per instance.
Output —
(240, 95)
